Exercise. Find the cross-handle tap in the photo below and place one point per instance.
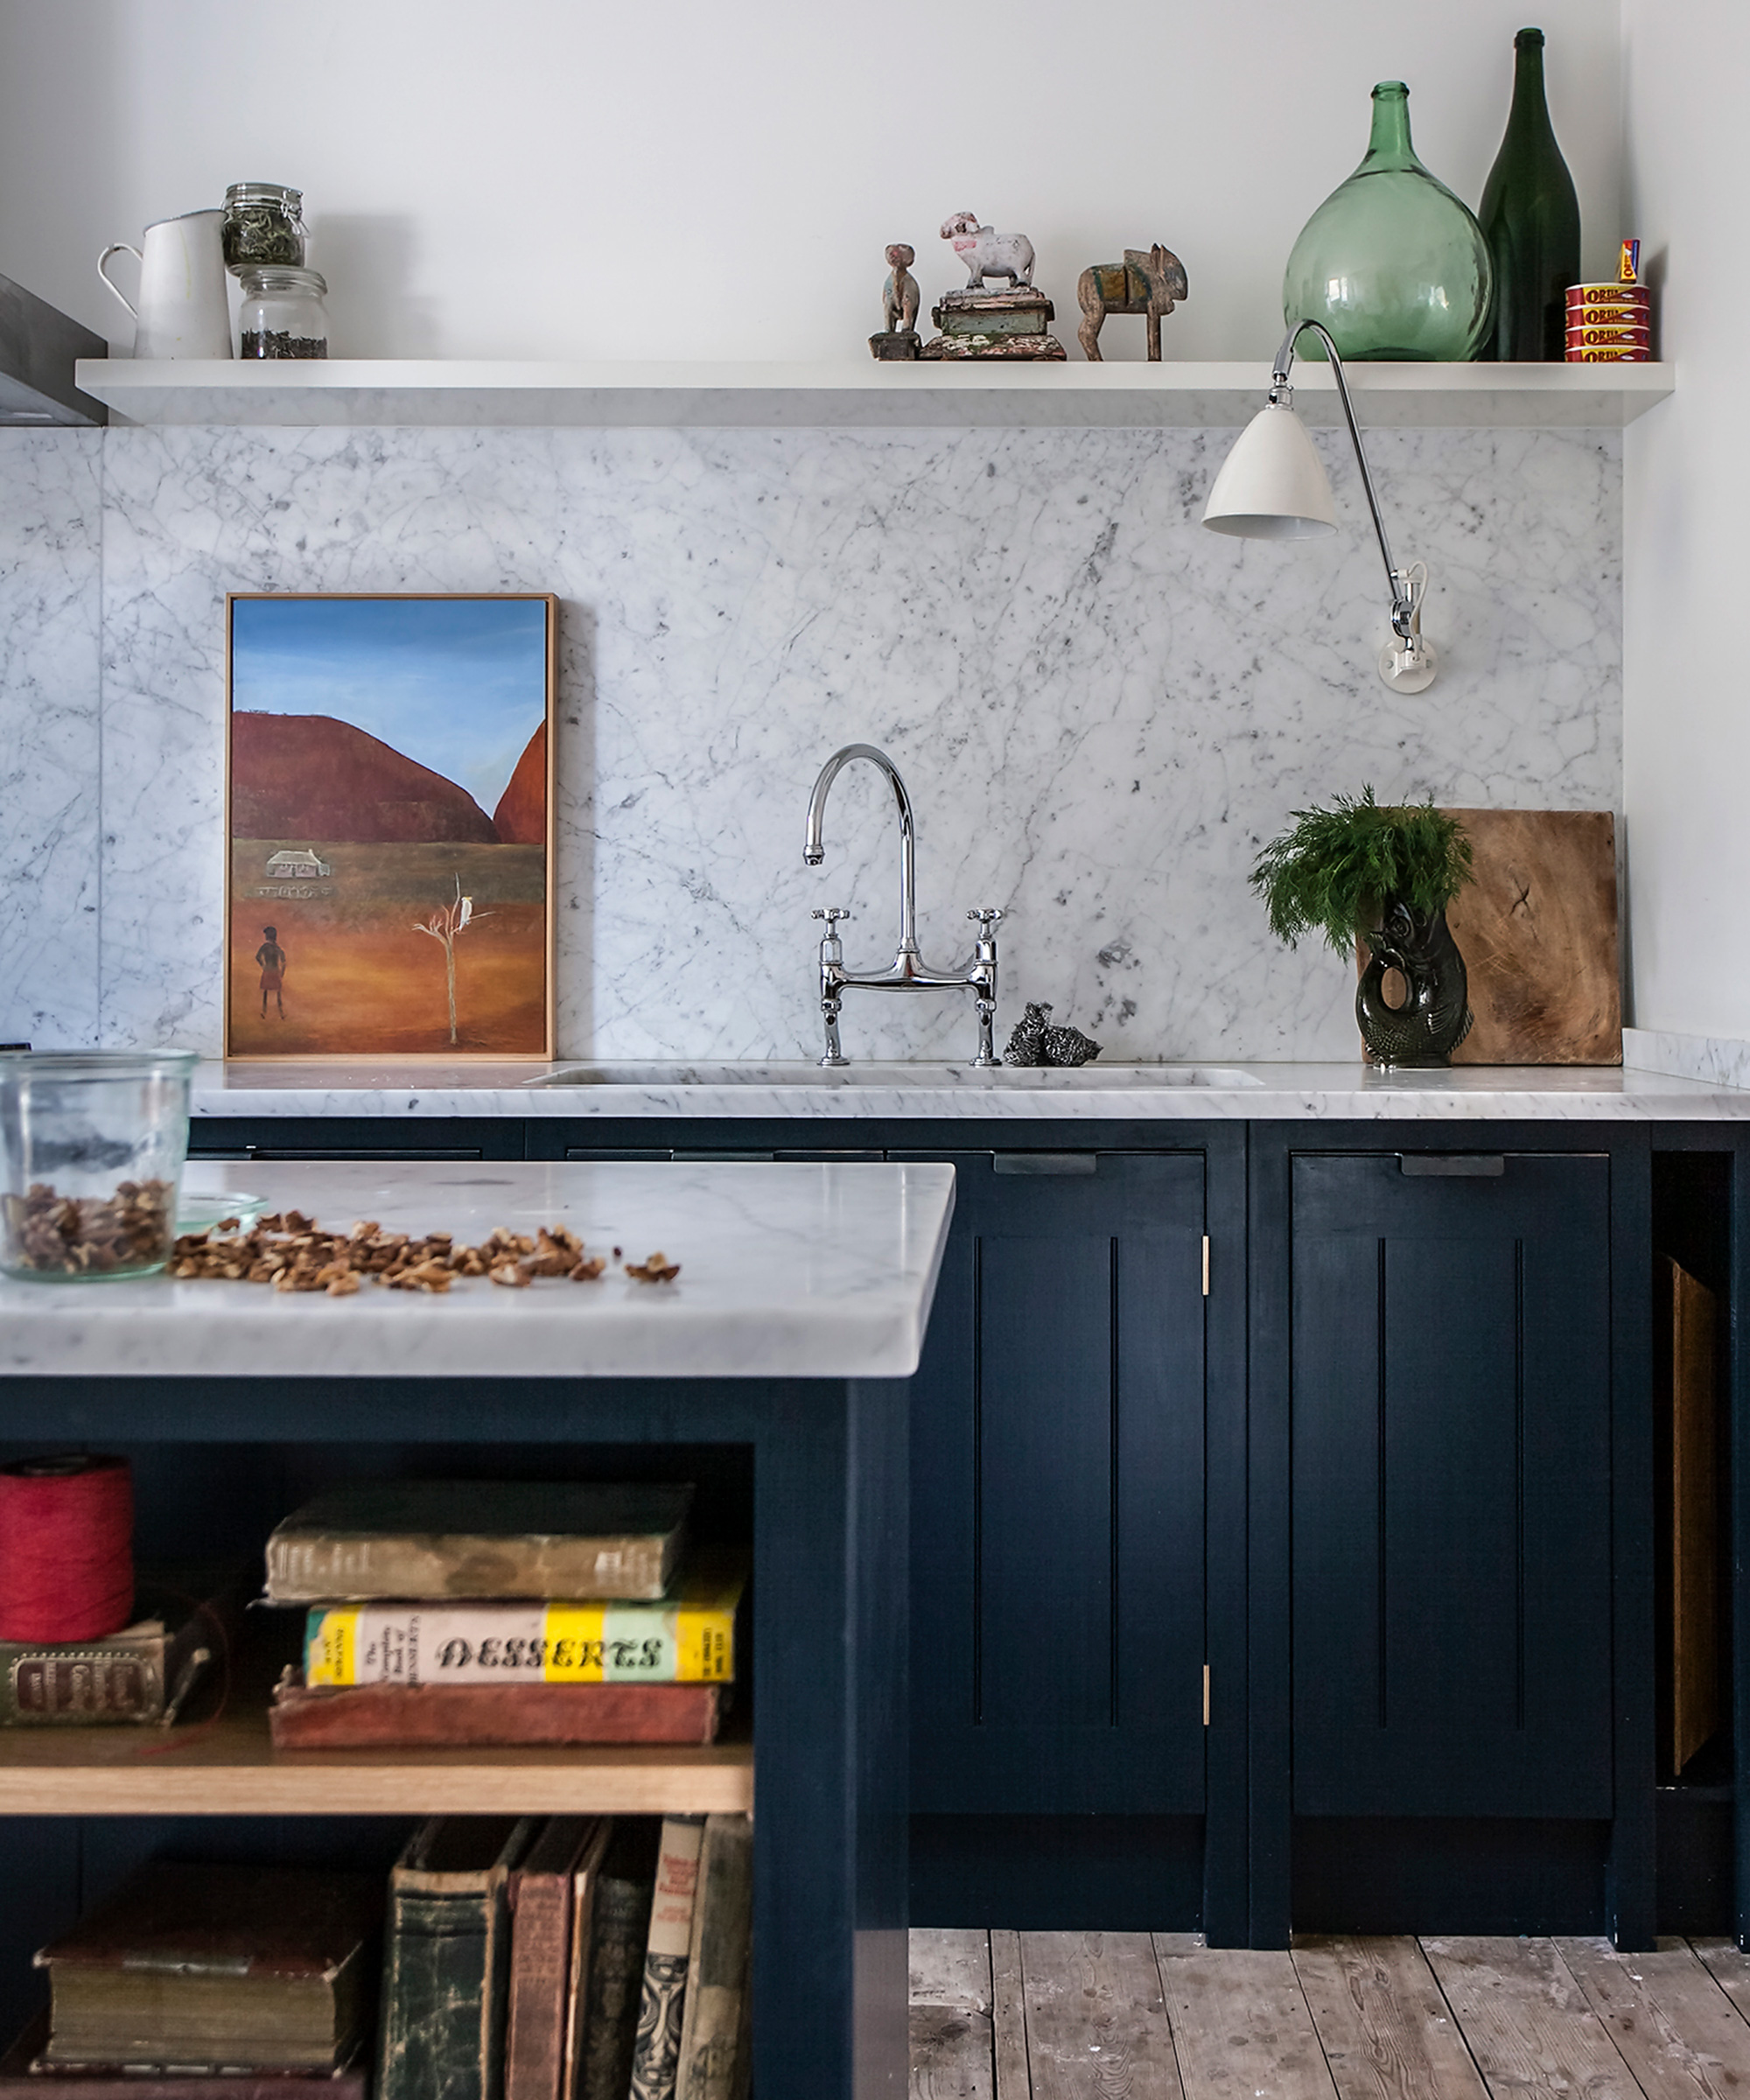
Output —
(832, 980)
(908, 971)
(982, 977)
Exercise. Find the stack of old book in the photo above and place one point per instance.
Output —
(578, 1958)
(228, 1982)
(502, 1613)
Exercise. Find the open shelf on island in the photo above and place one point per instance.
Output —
(468, 392)
(229, 1768)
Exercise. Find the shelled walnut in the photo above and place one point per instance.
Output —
(89, 1235)
(290, 1251)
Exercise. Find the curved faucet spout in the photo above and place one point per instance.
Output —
(813, 850)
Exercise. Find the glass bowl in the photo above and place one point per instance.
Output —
(91, 1144)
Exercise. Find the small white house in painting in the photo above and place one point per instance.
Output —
(297, 864)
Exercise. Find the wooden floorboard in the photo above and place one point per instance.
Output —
(950, 1968)
(950, 2017)
(1385, 2026)
(1098, 2026)
(950, 2052)
(1240, 2025)
(1675, 2028)
(1527, 2021)
(1008, 2017)
(1728, 1968)
(1130, 2016)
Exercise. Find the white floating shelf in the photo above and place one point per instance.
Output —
(849, 395)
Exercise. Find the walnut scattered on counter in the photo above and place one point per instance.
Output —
(90, 1235)
(654, 1269)
(290, 1252)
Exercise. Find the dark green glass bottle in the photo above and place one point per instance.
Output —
(1531, 219)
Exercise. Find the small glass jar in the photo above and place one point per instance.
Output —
(282, 314)
(92, 1144)
(263, 223)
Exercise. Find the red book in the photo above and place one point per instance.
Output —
(558, 1869)
(431, 1716)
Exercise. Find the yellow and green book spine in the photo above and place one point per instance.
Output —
(688, 1638)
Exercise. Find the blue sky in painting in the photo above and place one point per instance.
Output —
(459, 684)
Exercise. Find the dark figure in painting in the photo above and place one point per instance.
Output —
(271, 956)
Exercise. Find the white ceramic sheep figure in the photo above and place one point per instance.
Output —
(987, 254)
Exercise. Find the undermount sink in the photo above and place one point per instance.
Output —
(1054, 1078)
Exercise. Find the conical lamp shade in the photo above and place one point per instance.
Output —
(1272, 486)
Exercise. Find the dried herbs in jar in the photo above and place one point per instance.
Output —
(263, 225)
(282, 314)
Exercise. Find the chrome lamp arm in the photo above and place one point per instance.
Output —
(1411, 662)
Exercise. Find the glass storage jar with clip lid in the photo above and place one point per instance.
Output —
(282, 314)
(263, 223)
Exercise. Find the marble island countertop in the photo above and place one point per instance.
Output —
(1099, 1092)
(790, 1272)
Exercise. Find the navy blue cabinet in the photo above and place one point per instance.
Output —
(1450, 1467)
(1058, 1492)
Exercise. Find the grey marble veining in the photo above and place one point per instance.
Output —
(50, 536)
(785, 1272)
(1100, 708)
(934, 1093)
(1720, 1060)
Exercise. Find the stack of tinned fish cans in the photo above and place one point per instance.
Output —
(1612, 324)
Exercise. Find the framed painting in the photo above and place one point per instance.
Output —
(389, 826)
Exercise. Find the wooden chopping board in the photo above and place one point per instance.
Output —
(1537, 931)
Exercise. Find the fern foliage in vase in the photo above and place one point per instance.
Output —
(1383, 876)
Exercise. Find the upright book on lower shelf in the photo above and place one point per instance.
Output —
(550, 1920)
(446, 1962)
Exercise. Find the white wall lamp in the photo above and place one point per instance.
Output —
(1273, 485)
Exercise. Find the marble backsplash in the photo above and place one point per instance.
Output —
(1100, 708)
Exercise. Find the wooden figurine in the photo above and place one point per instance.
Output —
(898, 341)
(1148, 283)
(900, 295)
(989, 254)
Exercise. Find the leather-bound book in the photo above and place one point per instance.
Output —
(192, 1968)
(479, 1538)
(446, 1960)
(431, 1715)
(620, 1931)
(541, 1926)
(656, 2054)
(23, 2076)
(714, 2054)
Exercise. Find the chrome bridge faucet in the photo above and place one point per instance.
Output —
(908, 971)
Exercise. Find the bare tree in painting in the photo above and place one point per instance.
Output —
(444, 925)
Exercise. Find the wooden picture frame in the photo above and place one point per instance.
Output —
(339, 839)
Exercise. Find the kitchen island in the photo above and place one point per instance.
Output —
(772, 1371)
(1346, 1385)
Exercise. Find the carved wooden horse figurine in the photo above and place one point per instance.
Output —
(1145, 282)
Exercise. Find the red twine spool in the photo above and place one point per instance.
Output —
(66, 1558)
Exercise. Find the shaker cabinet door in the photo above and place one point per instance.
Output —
(1451, 1542)
(1057, 1492)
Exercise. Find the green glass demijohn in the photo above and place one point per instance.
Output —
(1392, 263)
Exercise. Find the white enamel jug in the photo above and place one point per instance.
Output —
(183, 311)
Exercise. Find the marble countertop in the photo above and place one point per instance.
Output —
(785, 1272)
(921, 1092)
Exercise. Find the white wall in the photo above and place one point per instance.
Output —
(681, 178)
(1686, 547)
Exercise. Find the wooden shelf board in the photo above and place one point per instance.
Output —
(229, 1768)
(471, 392)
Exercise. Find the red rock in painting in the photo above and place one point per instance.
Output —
(309, 776)
(521, 817)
